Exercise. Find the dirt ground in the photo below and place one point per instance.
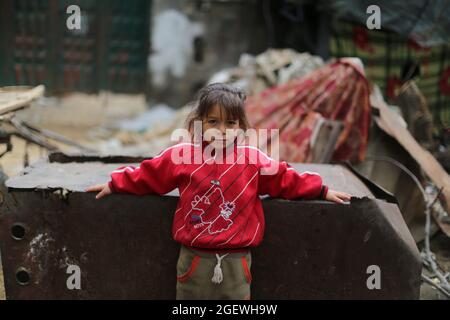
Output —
(440, 246)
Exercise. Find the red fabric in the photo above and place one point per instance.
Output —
(361, 39)
(191, 270)
(224, 215)
(444, 83)
(338, 91)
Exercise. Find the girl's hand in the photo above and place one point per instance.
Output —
(337, 196)
(103, 188)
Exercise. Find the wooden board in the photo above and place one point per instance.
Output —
(14, 98)
(393, 125)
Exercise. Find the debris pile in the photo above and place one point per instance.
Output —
(337, 92)
(270, 68)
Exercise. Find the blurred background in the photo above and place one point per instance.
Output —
(168, 49)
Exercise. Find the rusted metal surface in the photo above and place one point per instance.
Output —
(123, 245)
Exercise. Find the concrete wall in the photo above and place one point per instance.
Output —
(190, 40)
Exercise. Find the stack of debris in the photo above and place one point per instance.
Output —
(433, 200)
(336, 94)
(270, 68)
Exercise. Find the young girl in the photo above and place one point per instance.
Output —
(219, 216)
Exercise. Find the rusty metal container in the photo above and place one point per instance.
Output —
(123, 246)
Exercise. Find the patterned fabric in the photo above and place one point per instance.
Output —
(385, 53)
(338, 91)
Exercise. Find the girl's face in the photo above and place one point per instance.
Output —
(223, 130)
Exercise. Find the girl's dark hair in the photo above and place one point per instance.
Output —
(229, 98)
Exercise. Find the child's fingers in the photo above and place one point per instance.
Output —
(335, 198)
(101, 194)
(97, 187)
(344, 196)
(340, 200)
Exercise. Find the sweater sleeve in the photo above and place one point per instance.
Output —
(280, 180)
(153, 176)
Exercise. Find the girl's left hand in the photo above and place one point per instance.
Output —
(337, 196)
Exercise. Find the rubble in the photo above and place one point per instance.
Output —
(270, 68)
(337, 92)
(156, 116)
(416, 113)
(389, 123)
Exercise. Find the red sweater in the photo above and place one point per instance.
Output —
(219, 205)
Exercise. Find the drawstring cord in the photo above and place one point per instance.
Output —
(218, 274)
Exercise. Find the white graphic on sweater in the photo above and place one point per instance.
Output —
(226, 206)
(205, 195)
(216, 217)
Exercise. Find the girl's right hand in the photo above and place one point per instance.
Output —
(103, 188)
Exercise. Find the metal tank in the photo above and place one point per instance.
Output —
(123, 248)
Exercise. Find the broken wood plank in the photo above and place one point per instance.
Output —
(393, 125)
(58, 137)
(28, 135)
(14, 98)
